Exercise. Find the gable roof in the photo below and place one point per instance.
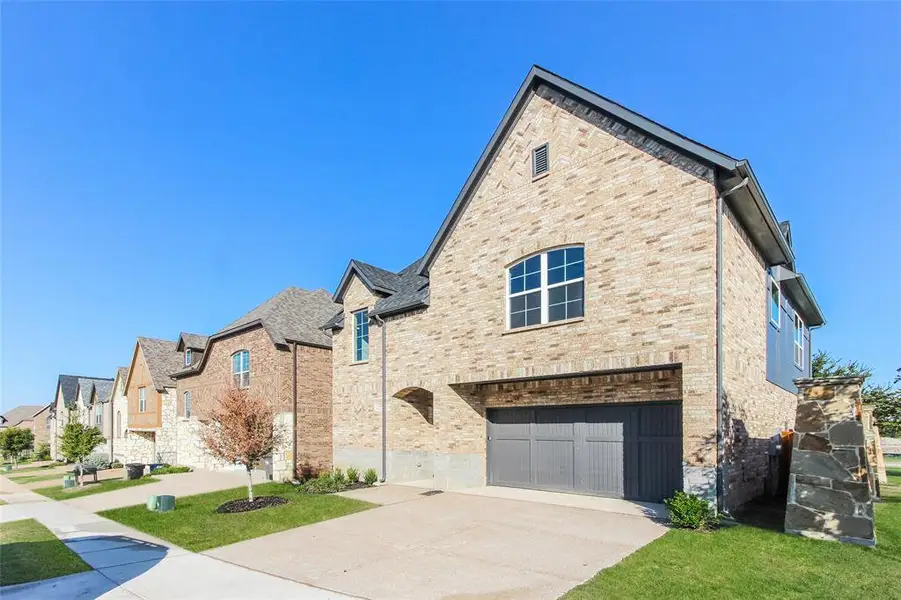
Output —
(194, 341)
(122, 373)
(68, 384)
(408, 290)
(162, 361)
(747, 200)
(86, 386)
(292, 315)
(22, 413)
(104, 390)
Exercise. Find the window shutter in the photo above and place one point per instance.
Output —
(540, 160)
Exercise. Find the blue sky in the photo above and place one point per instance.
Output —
(168, 166)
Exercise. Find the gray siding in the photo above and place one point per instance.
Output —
(780, 350)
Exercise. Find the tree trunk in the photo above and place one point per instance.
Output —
(249, 484)
(81, 472)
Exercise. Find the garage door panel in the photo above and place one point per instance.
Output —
(510, 462)
(554, 463)
(556, 423)
(604, 468)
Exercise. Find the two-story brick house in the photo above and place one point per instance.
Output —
(277, 351)
(593, 316)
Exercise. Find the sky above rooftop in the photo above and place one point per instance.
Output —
(168, 166)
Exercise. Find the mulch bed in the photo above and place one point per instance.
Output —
(358, 485)
(244, 505)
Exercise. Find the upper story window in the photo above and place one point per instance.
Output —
(188, 357)
(775, 303)
(241, 368)
(361, 336)
(98, 417)
(187, 405)
(142, 399)
(799, 342)
(546, 287)
(118, 423)
(540, 160)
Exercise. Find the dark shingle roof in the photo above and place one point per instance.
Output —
(22, 413)
(162, 360)
(104, 390)
(122, 373)
(69, 386)
(401, 291)
(87, 385)
(194, 340)
(292, 315)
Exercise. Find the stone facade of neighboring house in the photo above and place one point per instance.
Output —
(150, 392)
(279, 352)
(119, 416)
(497, 374)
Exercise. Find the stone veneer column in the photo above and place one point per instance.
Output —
(828, 490)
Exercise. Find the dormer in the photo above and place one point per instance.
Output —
(192, 345)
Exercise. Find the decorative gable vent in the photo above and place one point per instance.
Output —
(540, 164)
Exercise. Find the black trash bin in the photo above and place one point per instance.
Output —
(134, 470)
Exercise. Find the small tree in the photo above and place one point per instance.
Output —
(14, 441)
(242, 429)
(77, 442)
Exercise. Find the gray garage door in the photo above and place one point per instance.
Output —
(626, 451)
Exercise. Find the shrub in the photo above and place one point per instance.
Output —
(115, 465)
(690, 512)
(42, 452)
(338, 478)
(98, 461)
(169, 469)
(353, 476)
(370, 477)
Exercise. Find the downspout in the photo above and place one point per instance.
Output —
(381, 324)
(720, 353)
(294, 410)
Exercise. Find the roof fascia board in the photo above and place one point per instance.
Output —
(766, 211)
(353, 269)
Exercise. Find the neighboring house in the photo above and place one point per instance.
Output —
(277, 351)
(561, 330)
(29, 416)
(71, 404)
(97, 396)
(119, 416)
(151, 425)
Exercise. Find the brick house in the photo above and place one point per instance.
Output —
(278, 351)
(604, 310)
(29, 416)
(71, 404)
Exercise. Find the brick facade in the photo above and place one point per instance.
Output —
(271, 378)
(647, 219)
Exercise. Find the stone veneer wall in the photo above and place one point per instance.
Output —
(828, 491)
(138, 446)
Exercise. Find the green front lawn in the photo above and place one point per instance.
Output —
(33, 469)
(194, 524)
(23, 479)
(58, 493)
(30, 552)
(746, 562)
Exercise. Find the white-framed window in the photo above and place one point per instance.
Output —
(188, 357)
(361, 336)
(799, 341)
(98, 417)
(546, 287)
(775, 303)
(241, 369)
(541, 163)
(187, 405)
(118, 423)
(142, 399)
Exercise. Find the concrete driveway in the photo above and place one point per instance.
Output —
(449, 546)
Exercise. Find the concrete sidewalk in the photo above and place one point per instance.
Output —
(129, 564)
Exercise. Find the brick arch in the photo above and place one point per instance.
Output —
(419, 398)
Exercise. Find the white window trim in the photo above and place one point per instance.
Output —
(544, 287)
(799, 362)
(240, 372)
(188, 357)
(364, 312)
(778, 320)
(142, 399)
